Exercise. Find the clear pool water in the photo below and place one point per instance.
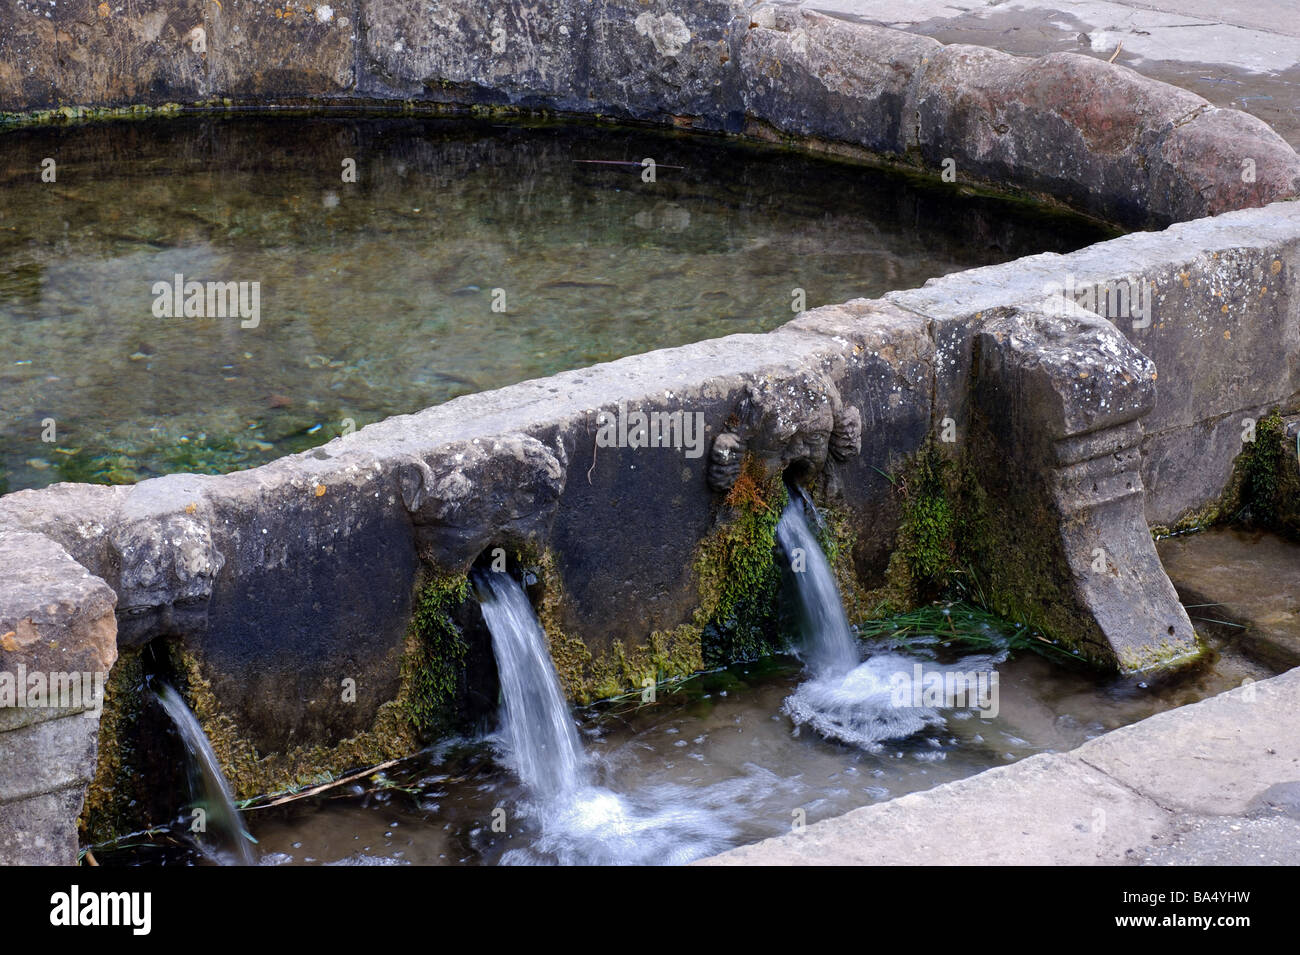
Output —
(375, 297)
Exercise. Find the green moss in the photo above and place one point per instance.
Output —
(941, 510)
(838, 539)
(1213, 513)
(72, 114)
(946, 548)
(1267, 480)
(738, 576)
(928, 538)
(433, 666)
(1263, 491)
(113, 791)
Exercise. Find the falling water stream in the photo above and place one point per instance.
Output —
(212, 789)
(541, 739)
(579, 822)
(828, 645)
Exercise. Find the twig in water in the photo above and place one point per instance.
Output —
(290, 797)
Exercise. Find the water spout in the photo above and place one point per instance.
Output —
(212, 790)
(538, 729)
(828, 646)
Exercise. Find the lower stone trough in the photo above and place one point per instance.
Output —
(1055, 409)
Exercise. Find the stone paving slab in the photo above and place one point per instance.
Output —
(1211, 758)
(1166, 790)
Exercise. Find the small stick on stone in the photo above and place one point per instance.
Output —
(1116, 53)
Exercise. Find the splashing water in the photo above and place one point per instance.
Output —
(540, 737)
(844, 699)
(859, 707)
(212, 791)
(582, 823)
(828, 644)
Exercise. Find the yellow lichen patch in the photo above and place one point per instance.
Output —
(104, 10)
(320, 490)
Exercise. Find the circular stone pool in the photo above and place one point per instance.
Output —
(465, 256)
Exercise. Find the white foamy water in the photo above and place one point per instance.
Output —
(653, 825)
(858, 707)
(878, 700)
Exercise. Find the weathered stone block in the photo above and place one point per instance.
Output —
(813, 75)
(41, 830)
(54, 616)
(317, 571)
(666, 58)
(1064, 124)
(268, 49)
(1222, 159)
(28, 56)
(1058, 402)
(470, 52)
(150, 52)
(501, 491)
(57, 643)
